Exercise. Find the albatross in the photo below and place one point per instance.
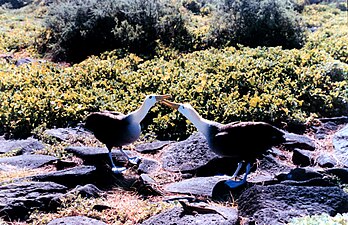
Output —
(115, 129)
(243, 141)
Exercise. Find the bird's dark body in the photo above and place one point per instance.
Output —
(243, 140)
(112, 128)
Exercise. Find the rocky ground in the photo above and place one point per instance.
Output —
(305, 176)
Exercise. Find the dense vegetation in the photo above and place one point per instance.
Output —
(283, 87)
(81, 28)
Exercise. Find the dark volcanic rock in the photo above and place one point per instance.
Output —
(64, 134)
(98, 156)
(87, 191)
(70, 177)
(300, 174)
(302, 157)
(188, 155)
(326, 160)
(18, 199)
(341, 173)
(148, 166)
(267, 170)
(26, 146)
(202, 186)
(340, 142)
(151, 147)
(76, 220)
(179, 216)
(28, 161)
(299, 141)
(277, 204)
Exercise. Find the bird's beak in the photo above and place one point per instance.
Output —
(162, 97)
(171, 104)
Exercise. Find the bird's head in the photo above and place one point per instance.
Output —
(152, 99)
(184, 108)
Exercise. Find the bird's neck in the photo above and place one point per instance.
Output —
(200, 123)
(138, 115)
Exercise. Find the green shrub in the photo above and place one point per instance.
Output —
(82, 28)
(330, 34)
(258, 23)
(262, 84)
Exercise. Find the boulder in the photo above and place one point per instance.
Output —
(26, 146)
(187, 155)
(87, 191)
(151, 147)
(148, 166)
(340, 143)
(302, 157)
(28, 161)
(18, 199)
(277, 204)
(76, 220)
(209, 215)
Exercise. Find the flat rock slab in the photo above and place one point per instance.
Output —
(70, 177)
(188, 155)
(26, 146)
(151, 147)
(18, 199)
(202, 186)
(178, 216)
(64, 134)
(96, 155)
(28, 161)
(76, 220)
(340, 143)
(277, 204)
(299, 141)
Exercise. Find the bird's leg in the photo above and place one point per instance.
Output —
(237, 170)
(115, 169)
(235, 184)
(133, 160)
(247, 171)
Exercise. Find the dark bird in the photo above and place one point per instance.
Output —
(243, 141)
(115, 129)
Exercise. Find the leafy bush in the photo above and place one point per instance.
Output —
(329, 35)
(273, 85)
(258, 23)
(81, 28)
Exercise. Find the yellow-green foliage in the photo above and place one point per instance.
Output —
(268, 84)
(331, 34)
(20, 29)
(324, 219)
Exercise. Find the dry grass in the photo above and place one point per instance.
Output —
(123, 208)
(13, 173)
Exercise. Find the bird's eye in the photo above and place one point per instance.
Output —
(151, 97)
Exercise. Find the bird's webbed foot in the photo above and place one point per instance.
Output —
(118, 170)
(234, 184)
(134, 160)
